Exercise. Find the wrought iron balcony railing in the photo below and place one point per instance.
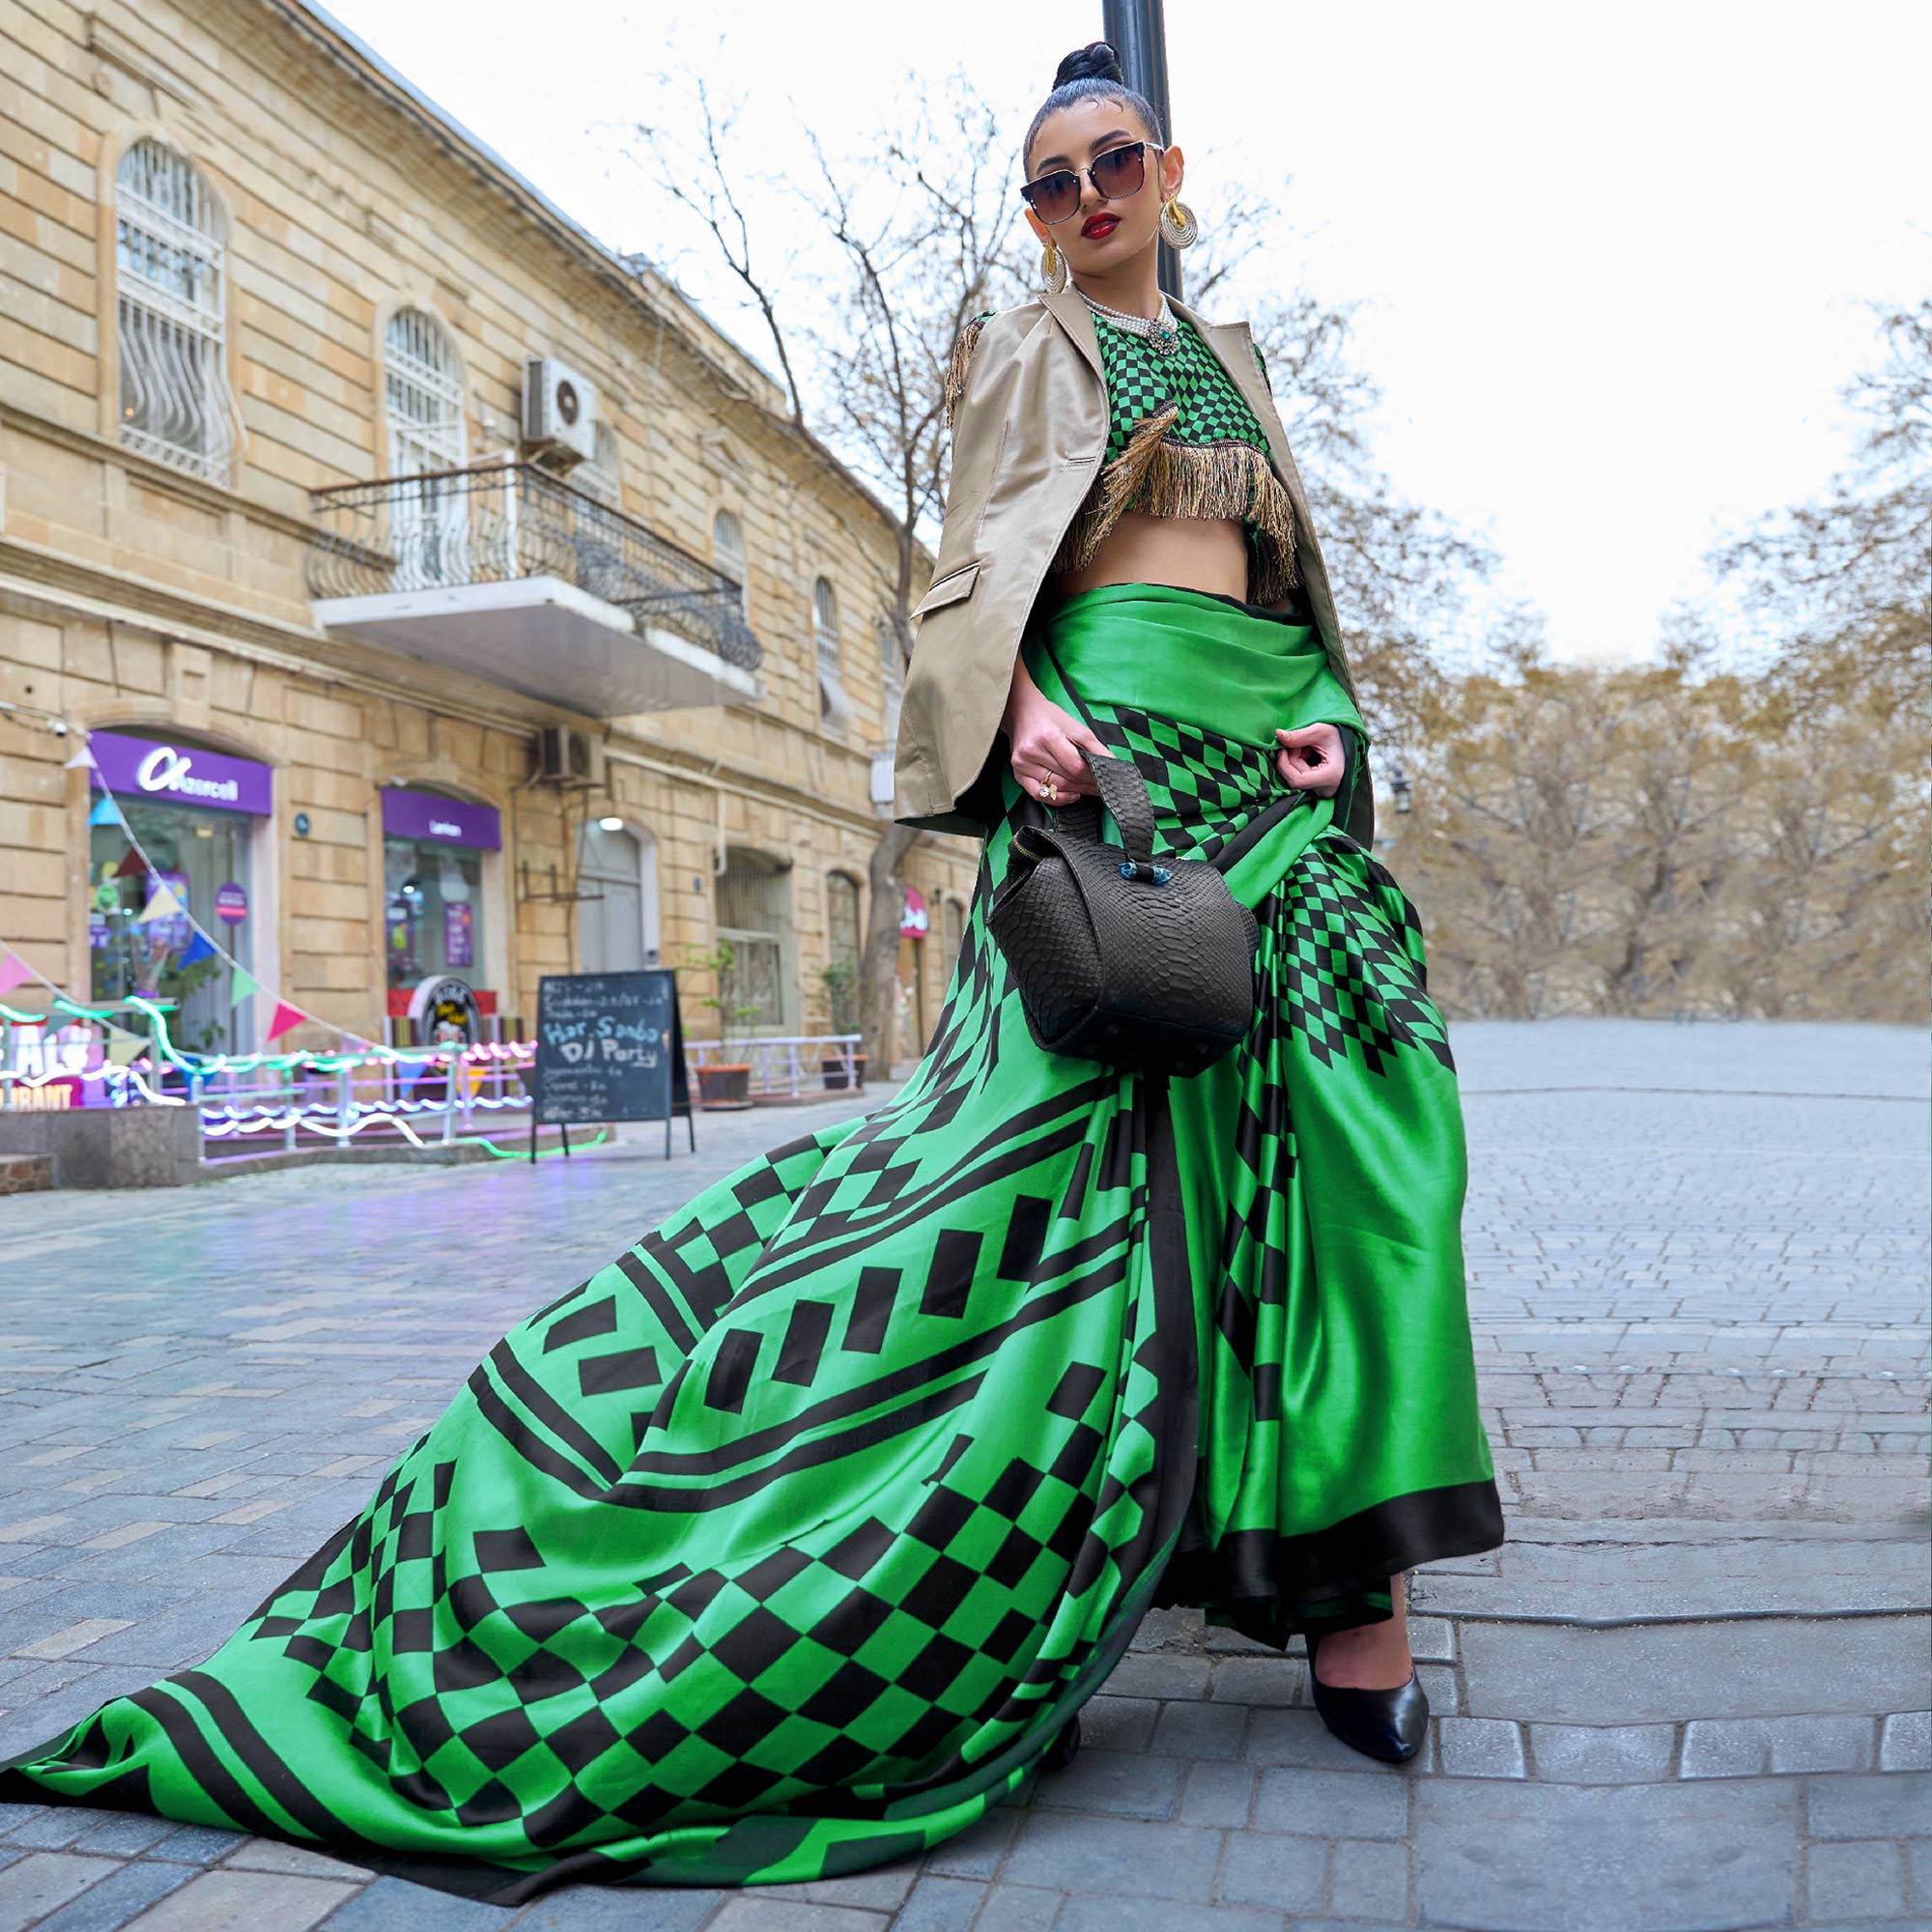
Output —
(494, 522)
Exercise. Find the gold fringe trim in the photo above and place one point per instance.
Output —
(1164, 478)
(958, 365)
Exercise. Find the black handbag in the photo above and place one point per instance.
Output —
(1119, 958)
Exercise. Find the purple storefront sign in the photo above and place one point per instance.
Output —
(146, 768)
(446, 821)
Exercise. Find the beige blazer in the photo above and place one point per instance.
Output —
(1029, 436)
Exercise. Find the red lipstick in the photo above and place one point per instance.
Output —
(1097, 225)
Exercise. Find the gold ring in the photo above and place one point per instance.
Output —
(1049, 790)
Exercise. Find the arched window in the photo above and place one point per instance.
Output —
(424, 391)
(171, 313)
(603, 476)
(892, 666)
(835, 706)
(728, 553)
(841, 947)
(755, 913)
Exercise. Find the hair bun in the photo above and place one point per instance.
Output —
(1095, 61)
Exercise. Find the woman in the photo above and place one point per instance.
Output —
(795, 1538)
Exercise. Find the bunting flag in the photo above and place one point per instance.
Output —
(82, 760)
(200, 946)
(13, 971)
(164, 905)
(105, 812)
(121, 1047)
(240, 984)
(286, 1016)
(131, 866)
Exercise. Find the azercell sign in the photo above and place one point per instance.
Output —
(136, 769)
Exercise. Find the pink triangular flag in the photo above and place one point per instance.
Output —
(286, 1016)
(13, 971)
(82, 760)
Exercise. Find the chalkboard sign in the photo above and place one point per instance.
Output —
(609, 1048)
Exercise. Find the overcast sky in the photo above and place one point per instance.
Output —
(1613, 260)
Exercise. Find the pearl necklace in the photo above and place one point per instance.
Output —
(1162, 334)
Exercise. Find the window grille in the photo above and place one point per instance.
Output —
(423, 388)
(755, 913)
(727, 553)
(170, 259)
(841, 920)
(835, 705)
(603, 476)
(892, 665)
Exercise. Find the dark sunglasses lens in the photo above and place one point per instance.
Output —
(1119, 171)
(1054, 196)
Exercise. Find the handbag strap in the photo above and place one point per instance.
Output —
(1123, 789)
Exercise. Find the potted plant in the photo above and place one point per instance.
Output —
(725, 1082)
(841, 991)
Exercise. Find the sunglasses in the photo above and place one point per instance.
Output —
(1115, 175)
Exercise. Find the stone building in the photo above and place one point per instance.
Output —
(444, 591)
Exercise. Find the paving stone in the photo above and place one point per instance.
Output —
(1658, 1858)
(880, 1891)
(1369, 1879)
(582, 1908)
(196, 1844)
(750, 1910)
(1256, 1683)
(1202, 1730)
(978, 1851)
(1017, 1908)
(1333, 1803)
(1480, 1748)
(1128, 1783)
(270, 1855)
(1887, 1804)
(35, 1885)
(1153, 1674)
(1217, 1794)
(54, 1827)
(125, 1836)
(1117, 1723)
(1287, 1874)
(940, 1905)
(117, 1900)
(1852, 1880)
(1300, 1737)
(1602, 1753)
(1658, 1673)
(1073, 1853)
(395, 1905)
(1905, 1743)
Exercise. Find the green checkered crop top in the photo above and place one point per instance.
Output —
(1181, 441)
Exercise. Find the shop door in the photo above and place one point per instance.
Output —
(611, 928)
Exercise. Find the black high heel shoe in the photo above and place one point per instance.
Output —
(1387, 1724)
(1060, 1753)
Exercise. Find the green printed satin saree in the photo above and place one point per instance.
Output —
(786, 1545)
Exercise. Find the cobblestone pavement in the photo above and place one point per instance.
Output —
(1688, 1694)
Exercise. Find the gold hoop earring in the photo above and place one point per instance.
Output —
(1053, 268)
(1177, 225)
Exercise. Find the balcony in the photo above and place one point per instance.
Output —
(505, 572)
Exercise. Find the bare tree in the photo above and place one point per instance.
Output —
(916, 252)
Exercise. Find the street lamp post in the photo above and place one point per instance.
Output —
(1137, 31)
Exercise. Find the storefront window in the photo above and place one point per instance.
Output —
(434, 897)
(433, 885)
(190, 814)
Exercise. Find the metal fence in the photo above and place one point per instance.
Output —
(497, 521)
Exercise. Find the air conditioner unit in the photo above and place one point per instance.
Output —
(567, 757)
(559, 413)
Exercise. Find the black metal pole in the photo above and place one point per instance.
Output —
(1137, 31)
